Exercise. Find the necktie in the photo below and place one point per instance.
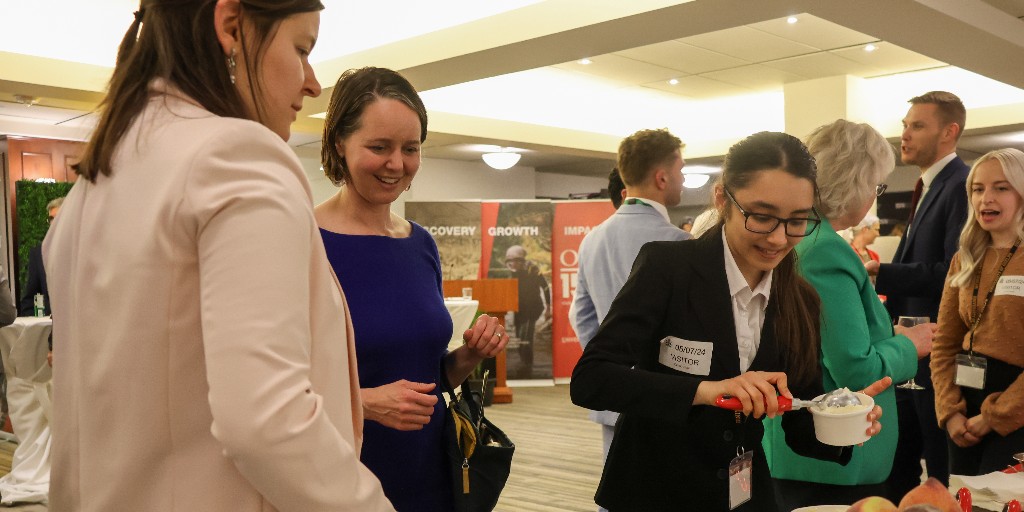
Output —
(914, 199)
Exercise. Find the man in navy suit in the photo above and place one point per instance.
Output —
(36, 282)
(913, 281)
(650, 163)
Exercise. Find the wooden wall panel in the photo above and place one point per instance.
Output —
(27, 158)
(30, 159)
(35, 166)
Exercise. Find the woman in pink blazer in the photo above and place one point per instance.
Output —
(205, 358)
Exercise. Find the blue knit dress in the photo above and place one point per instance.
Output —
(402, 328)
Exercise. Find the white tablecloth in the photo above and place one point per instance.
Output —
(462, 312)
(23, 347)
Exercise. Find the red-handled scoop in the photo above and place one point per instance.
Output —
(785, 404)
(836, 398)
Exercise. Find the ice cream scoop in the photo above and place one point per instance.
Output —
(836, 398)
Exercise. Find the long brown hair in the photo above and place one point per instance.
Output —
(175, 40)
(797, 305)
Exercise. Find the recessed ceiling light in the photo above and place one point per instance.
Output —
(1017, 137)
(870, 48)
(791, 20)
(673, 82)
(585, 61)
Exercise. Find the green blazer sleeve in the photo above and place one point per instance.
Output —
(858, 345)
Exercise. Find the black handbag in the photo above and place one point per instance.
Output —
(479, 453)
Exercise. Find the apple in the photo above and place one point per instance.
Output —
(931, 492)
(873, 504)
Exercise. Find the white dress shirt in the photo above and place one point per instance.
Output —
(748, 307)
(929, 176)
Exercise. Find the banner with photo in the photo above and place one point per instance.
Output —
(572, 221)
(455, 227)
(516, 243)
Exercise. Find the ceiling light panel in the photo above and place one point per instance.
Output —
(688, 59)
(622, 70)
(756, 77)
(889, 58)
(813, 31)
(699, 87)
(821, 65)
(748, 44)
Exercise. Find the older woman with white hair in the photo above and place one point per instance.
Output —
(858, 344)
(864, 234)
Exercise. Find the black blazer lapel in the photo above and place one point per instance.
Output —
(712, 302)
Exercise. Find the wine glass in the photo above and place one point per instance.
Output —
(910, 321)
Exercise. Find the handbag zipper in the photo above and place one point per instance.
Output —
(465, 476)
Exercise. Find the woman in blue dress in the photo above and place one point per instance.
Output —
(390, 272)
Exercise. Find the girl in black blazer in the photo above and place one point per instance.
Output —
(672, 449)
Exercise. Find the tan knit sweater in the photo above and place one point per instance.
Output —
(999, 336)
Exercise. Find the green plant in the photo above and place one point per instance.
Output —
(33, 219)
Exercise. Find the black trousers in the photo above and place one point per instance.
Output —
(994, 452)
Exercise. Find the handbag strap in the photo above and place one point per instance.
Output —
(464, 390)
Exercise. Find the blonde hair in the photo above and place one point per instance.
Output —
(852, 159)
(974, 240)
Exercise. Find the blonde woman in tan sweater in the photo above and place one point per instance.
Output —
(978, 356)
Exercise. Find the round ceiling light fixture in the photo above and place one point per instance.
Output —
(695, 180)
(696, 176)
(504, 159)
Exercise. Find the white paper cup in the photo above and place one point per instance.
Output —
(843, 429)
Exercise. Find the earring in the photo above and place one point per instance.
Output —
(408, 188)
(231, 65)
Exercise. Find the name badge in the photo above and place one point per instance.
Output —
(1010, 285)
(693, 357)
(970, 371)
(740, 479)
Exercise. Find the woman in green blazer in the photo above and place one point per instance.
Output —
(858, 345)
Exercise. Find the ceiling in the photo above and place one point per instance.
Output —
(509, 73)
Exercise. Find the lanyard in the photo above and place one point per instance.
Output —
(634, 200)
(988, 298)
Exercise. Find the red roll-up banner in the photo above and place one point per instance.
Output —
(572, 221)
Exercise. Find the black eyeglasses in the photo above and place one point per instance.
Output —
(880, 189)
(763, 224)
